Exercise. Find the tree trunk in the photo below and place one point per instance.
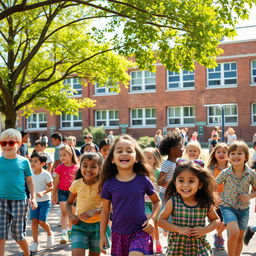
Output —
(10, 117)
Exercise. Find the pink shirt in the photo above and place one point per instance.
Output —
(67, 175)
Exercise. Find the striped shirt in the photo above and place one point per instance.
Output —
(167, 167)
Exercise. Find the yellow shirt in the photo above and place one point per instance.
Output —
(88, 198)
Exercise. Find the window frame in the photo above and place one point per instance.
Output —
(181, 117)
(71, 121)
(37, 122)
(252, 69)
(72, 84)
(143, 118)
(253, 115)
(107, 89)
(219, 116)
(222, 76)
(143, 84)
(181, 80)
(107, 119)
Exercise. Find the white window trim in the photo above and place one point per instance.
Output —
(106, 93)
(252, 123)
(222, 84)
(219, 124)
(72, 123)
(143, 85)
(143, 119)
(252, 83)
(72, 86)
(181, 118)
(37, 128)
(181, 84)
(107, 119)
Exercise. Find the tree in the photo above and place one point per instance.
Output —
(44, 42)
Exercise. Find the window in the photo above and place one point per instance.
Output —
(104, 89)
(215, 114)
(143, 117)
(107, 118)
(178, 116)
(253, 70)
(71, 121)
(184, 79)
(37, 121)
(142, 81)
(225, 74)
(75, 86)
(254, 113)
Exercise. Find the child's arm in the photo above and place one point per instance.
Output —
(31, 189)
(202, 231)
(163, 221)
(49, 167)
(55, 189)
(71, 199)
(161, 180)
(87, 215)
(150, 222)
(103, 224)
(49, 189)
(247, 197)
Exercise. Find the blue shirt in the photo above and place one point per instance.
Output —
(12, 177)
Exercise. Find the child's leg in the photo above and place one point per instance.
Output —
(46, 227)
(43, 214)
(24, 247)
(78, 252)
(2, 244)
(233, 234)
(94, 253)
(220, 229)
(239, 246)
(34, 227)
(64, 216)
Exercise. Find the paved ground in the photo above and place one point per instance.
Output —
(13, 250)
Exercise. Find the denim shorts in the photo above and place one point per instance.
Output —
(63, 195)
(230, 214)
(42, 211)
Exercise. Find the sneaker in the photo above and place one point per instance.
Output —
(216, 241)
(159, 248)
(248, 235)
(50, 241)
(63, 238)
(33, 247)
(221, 243)
(69, 235)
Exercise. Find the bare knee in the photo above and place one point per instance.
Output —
(35, 222)
(42, 223)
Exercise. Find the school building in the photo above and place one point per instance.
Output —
(199, 100)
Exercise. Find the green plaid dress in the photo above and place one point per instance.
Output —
(186, 216)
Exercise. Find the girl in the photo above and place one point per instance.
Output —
(194, 136)
(154, 159)
(125, 181)
(158, 138)
(193, 150)
(218, 161)
(190, 200)
(65, 174)
(235, 197)
(86, 222)
(104, 147)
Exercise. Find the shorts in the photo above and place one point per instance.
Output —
(139, 241)
(13, 213)
(42, 211)
(87, 236)
(63, 195)
(148, 208)
(230, 214)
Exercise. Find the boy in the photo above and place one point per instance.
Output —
(43, 185)
(14, 170)
(56, 140)
(40, 146)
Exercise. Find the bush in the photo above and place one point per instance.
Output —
(146, 141)
(98, 133)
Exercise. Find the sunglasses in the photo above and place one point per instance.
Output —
(11, 143)
(196, 161)
(88, 137)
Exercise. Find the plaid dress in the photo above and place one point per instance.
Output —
(186, 216)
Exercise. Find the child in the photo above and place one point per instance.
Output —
(71, 141)
(171, 146)
(235, 196)
(86, 222)
(214, 141)
(14, 171)
(104, 147)
(125, 181)
(154, 159)
(253, 162)
(89, 147)
(194, 136)
(190, 201)
(40, 146)
(193, 150)
(43, 186)
(218, 161)
(65, 174)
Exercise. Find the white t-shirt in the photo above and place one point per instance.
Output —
(49, 158)
(40, 182)
(167, 167)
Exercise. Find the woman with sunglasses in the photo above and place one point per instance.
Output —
(14, 170)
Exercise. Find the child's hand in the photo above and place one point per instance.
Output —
(103, 245)
(74, 219)
(148, 226)
(184, 231)
(39, 194)
(244, 198)
(198, 231)
(33, 204)
(54, 198)
(88, 214)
